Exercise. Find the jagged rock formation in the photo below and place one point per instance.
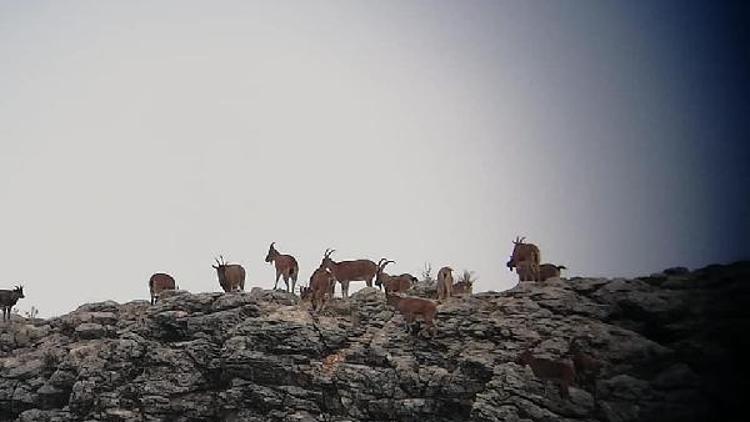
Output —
(667, 347)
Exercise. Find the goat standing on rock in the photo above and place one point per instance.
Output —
(413, 307)
(320, 288)
(9, 298)
(393, 284)
(231, 276)
(348, 271)
(158, 283)
(560, 372)
(445, 283)
(286, 266)
(528, 254)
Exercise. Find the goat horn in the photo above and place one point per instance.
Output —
(522, 239)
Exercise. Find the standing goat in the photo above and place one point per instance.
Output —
(348, 271)
(413, 307)
(320, 289)
(286, 266)
(464, 285)
(547, 271)
(231, 276)
(158, 283)
(527, 271)
(9, 298)
(393, 284)
(525, 252)
(445, 283)
(560, 372)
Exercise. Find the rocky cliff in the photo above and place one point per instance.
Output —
(666, 347)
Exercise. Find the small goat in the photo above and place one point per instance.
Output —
(444, 283)
(587, 367)
(231, 276)
(320, 289)
(393, 284)
(348, 271)
(527, 271)
(561, 372)
(525, 252)
(547, 271)
(9, 298)
(158, 283)
(286, 266)
(413, 307)
(464, 285)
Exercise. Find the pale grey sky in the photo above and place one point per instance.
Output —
(138, 137)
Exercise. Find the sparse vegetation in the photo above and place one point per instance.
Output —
(31, 313)
(427, 273)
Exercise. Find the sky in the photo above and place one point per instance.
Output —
(141, 137)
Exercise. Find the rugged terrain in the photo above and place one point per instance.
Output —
(668, 346)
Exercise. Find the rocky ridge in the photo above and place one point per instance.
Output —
(667, 347)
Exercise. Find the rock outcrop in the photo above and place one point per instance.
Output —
(663, 347)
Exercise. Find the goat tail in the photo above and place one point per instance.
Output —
(561, 267)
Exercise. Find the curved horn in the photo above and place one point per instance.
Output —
(522, 239)
(381, 261)
(273, 243)
(217, 261)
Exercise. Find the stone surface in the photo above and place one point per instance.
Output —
(667, 346)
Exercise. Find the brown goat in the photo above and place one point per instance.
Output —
(444, 283)
(561, 372)
(547, 271)
(587, 367)
(462, 288)
(413, 307)
(231, 276)
(319, 290)
(392, 283)
(9, 298)
(527, 271)
(348, 271)
(286, 266)
(525, 252)
(158, 283)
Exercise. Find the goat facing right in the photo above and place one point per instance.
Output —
(9, 298)
(413, 307)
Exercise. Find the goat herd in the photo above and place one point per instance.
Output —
(525, 258)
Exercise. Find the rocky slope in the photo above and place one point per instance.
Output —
(668, 347)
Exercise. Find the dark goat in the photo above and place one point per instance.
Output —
(561, 372)
(158, 283)
(231, 276)
(9, 298)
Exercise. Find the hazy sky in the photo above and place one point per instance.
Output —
(138, 137)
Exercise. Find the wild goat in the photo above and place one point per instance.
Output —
(464, 285)
(9, 298)
(348, 271)
(319, 290)
(587, 367)
(561, 372)
(445, 283)
(393, 284)
(158, 283)
(413, 307)
(286, 266)
(547, 271)
(525, 252)
(231, 276)
(527, 271)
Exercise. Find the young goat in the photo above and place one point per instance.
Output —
(9, 298)
(525, 252)
(321, 282)
(412, 307)
(547, 271)
(231, 276)
(286, 266)
(445, 283)
(560, 372)
(527, 271)
(393, 284)
(158, 283)
(348, 271)
(464, 285)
